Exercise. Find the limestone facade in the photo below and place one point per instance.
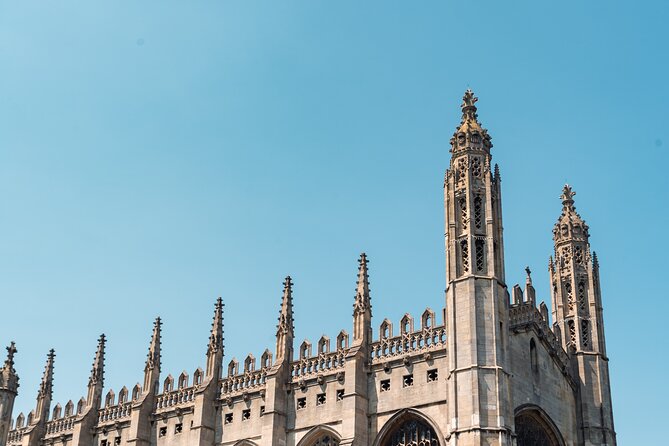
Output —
(490, 368)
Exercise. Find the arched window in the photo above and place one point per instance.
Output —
(413, 433)
(534, 365)
(535, 428)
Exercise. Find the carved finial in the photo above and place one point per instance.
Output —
(11, 351)
(362, 295)
(595, 260)
(468, 107)
(528, 279)
(497, 176)
(469, 99)
(567, 197)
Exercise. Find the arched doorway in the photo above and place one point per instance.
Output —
(535, 428)
(408, 428)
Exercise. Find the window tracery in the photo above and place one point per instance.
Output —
(570, 296)
(479, 255)
(578, 255)
(478, 212)
(532, 433)
(476, 167)
(461, 171)
(462, 202)
(326, 440)
(582, 301)
(413, 433)
(585, 334)
(572, 334)
(464, 250)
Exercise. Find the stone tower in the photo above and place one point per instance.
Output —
(9, 385)
(577, 311)
(480, 411)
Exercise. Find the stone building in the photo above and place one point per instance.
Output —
(491, 368)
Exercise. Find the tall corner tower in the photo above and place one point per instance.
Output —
(577, 309)
(479, 400)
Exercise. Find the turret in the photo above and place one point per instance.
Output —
(83, 429)
(476, 295)
(278, 376)
(577, 311)
(203, 424)
(37, 423)
(142, 408)
(9, 385)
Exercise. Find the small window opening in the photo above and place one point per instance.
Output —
(385, 385)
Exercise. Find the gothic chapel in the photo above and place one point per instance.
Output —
(491, 368)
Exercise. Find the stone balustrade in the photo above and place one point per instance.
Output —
(408, 343)
(113, 413)
(60, 425)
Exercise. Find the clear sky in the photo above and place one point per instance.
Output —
(155, 155)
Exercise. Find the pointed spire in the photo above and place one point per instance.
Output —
(45, 390)
(286, 314)
(362, 295)
(285, 330)
(97, 371)
(216, 337)
(152, 368)
(215, 347)
(11, 351)
(96, 380)
(153, 357)
(46, 386)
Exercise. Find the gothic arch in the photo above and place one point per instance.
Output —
(409, 421)
(319, 433)
(245, 443)
(535, 428)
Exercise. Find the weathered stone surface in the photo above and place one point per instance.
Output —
(491, 371)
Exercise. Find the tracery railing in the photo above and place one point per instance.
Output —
(323, 362)
(176, 397)
(246, 380)
(112, 413)
(60, 425)
(16, 435)
(417, 341)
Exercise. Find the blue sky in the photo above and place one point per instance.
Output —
(155, 155)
